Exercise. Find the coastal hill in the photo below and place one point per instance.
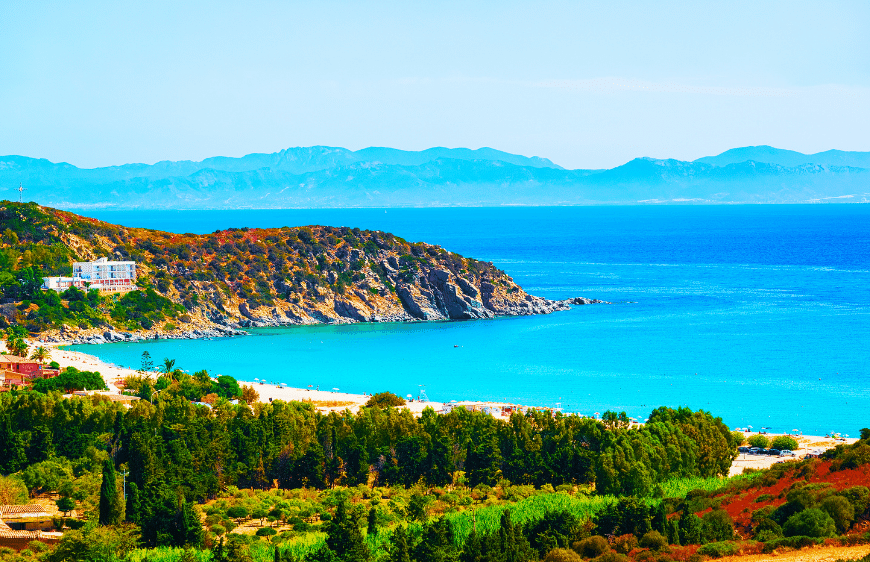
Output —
(197, 284)
(320, 176)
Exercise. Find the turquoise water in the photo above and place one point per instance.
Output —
(760, 314)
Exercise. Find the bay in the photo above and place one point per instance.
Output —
(759, 314)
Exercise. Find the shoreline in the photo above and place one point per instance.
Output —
(343, 400)
(98, 336)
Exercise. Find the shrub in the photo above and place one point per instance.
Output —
(840, 510)
(767, 529)
(791, 542)
(237, 512)
(266, 532)
(653, 540)
(625, 543)
(717, 526)
(385, 400)
(784, 442)
(812, 522)
(611, 556)
(719, 549)
(859, 497)
(562, 555)
(759, 441)
(738, 437)
(592, 547)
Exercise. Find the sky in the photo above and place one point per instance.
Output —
(586, 84)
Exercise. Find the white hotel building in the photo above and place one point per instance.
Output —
(101, 274)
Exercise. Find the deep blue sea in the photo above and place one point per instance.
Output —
(758, 314)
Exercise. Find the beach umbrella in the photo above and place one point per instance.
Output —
(335, 389)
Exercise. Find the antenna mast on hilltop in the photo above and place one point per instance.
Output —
(21, 190)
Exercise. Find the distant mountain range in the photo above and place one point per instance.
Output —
(320, 176)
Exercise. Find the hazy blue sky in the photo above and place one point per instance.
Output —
(585, 84)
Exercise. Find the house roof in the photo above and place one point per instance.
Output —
(121, 397)
(16, 359)
(19, 511)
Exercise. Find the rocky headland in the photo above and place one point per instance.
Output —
(219, 284)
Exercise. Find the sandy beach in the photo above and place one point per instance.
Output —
(113, 374)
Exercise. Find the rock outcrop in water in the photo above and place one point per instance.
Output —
(218, 284)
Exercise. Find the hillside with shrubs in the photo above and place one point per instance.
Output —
(241, 277)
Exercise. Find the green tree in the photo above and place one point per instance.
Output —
(759, 440)
(385, 400)
(189, 531)
(65, 504)
(168, 366)
(147, 363)
(12, 452)
(812, 522)
(94, 544)
(400, 550)
(111, 503)
(784, 442)
(41, 354)
(133, 507)
(483, 463)
(717, 526)
(690, 529)
(15, 340)
(840, 510)
(372, 527)
(343, 535)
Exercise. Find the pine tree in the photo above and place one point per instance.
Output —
(439, 465)
(372, 528)
(12, 453)
(344, 536)
(400, 550)
(111, 507)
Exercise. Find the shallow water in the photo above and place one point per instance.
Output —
(760, 314)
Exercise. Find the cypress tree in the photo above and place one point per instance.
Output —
(189, 527)
(110, 500)
(134, 503)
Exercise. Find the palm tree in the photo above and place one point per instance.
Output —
(41, 354)
(168, 364)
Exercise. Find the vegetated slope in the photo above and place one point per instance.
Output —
(787, 489)
(261, 276)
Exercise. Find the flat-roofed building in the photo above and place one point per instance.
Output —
(102, 274)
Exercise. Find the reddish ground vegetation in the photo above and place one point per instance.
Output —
(741, 503)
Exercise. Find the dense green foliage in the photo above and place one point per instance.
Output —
(784, 442)
(70, 379)
(385, 400)
(144, 309)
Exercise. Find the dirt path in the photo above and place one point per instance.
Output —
(816, 554)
